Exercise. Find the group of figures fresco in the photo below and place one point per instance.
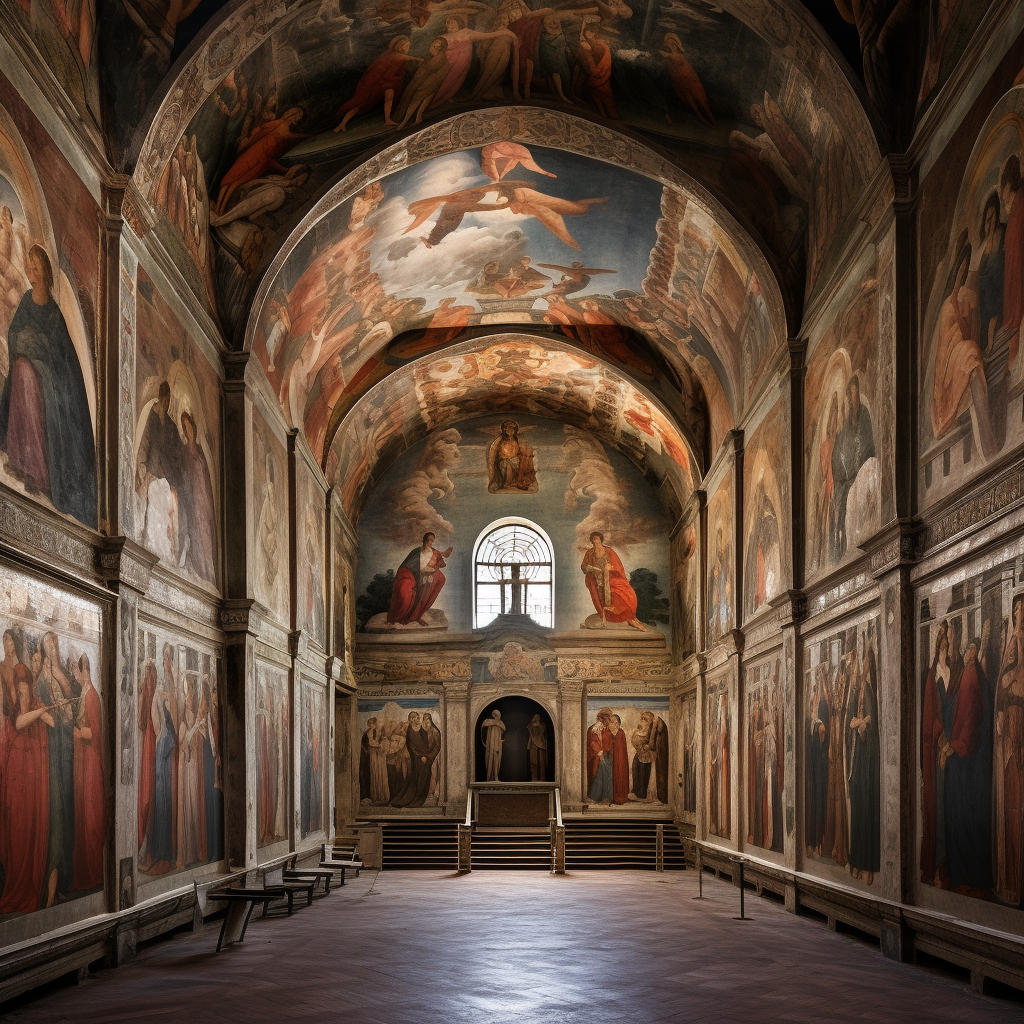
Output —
(399, 752)
(766, 757)
(842, 758)
(972, 737)
(53, 803)
(690, 754)
(973, 374)
(181, 774)
(312, 760)
(718, 744)
(626, 751)
(273, 755)
(47, 447)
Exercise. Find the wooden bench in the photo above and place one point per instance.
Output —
(291, 873)
(342, 864)
(240, 897)
(290, 887)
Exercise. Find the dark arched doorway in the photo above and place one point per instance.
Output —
(516, 713)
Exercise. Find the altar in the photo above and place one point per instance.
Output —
(513, 803)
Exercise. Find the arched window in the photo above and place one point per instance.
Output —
(513, 573)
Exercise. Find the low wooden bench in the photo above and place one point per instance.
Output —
(290, 887)
(241, 896)
(291, 873)
(342, 864)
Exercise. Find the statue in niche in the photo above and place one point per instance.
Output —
(492, 732)
(510, 465)
(537, 747)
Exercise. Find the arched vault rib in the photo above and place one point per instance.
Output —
(512, 373)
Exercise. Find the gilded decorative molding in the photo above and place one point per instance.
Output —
(121, 560)
(30, 527)
(593, 668)
(400, 671)
(1003, 492)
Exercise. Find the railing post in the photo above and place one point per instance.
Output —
(659, 849)
(557, 848)
(465, 849)
(700, 873)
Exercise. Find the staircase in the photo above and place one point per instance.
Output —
(519, 848)
(420, 843)
(620, 843)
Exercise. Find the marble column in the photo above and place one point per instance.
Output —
(458, 746)
(569, 768)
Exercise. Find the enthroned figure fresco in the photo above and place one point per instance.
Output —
(971, 367)
(47, 447)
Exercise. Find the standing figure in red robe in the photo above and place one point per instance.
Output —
(596, 58)
(25, 822)
(259, 153)
(614, 599)
(147, 761)
(417, 583)
(620, 761)
(382, 82)
(89, 803)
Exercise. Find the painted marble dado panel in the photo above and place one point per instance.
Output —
(971, 699)
(401, 763)
(180, 766)
(177, 442)
(54, 805)
(842, 758)
(626, 751)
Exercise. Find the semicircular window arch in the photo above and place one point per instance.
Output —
(513, 573)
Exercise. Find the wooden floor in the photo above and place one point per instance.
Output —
(524, 947)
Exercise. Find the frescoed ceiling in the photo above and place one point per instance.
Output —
(348, 185)
(509, 373)
(635, 272)
(274, 107)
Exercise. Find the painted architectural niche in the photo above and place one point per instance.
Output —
(842, 753)
(54, 816)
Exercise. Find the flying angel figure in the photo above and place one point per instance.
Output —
(574, 278)
(499, 158)
(517, 196)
